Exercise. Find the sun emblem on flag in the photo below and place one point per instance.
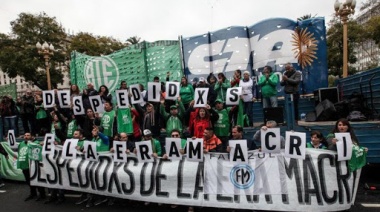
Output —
(305, 46)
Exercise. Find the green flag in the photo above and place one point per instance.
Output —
(8, 166)
(124, 121)
(34, 151)
(240, 116)
(358, 158)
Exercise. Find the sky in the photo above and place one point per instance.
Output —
(153, 20)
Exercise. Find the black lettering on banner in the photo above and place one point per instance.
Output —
(78, 107)
(268, 198)
(173, 150)
(96, 104)
(114, 178)
(172, 90)
(92, 172)
(238, 153)
(200, 96)
(122, 99)
(194, 152)
(342, 180)
(60, 165)
(11, 139)
(250, 156)
(135, 93)
(144, 152)
(107, 163)
(51, 178)
(199, 182)
(344, 147)
(48, 143)
(90, 153)
(309, 172)
(71, 170)
(84, 182)
(222, 180)
(35, 173)
(293, 168)
(64, 98)
(267, 135)
(159, 177)
(131, 180)
(38, 165)
(284, 195)
(234, 95)
(149, 191)
(323, 180)
(68, 154)
(119, 151)
(154, 91)
(180, 181)
(48, 98)
(295, 143)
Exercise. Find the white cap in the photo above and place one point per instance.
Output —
(147, 132)
(202, 79)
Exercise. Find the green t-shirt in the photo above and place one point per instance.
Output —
(41, 113)
(107, 122)
(100, 145)
(222, 125)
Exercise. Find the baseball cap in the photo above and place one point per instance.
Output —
(195, 79)
(219, 100)
(201, 79)
(173, 107)
(147, 132)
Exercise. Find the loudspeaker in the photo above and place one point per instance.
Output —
(274, 114)
(331, 94)
(325, 111)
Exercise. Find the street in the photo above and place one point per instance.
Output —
(12, 197)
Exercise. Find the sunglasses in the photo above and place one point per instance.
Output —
(175, 135)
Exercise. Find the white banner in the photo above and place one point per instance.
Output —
(318, 183)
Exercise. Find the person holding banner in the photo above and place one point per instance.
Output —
(317, 140)
(130, 144)
(156, 145)
(269, 124)
(341, 126)
(23, 164)
(104, 94)
(175, 118)
(205, 118)
(237, 133)
(101, 140)
(211, 143)
(221, 86)
(109, 121)
(222, 126)
(58, 123)
(90, 91)
(151, 118)
(186, 92)
(89, 121)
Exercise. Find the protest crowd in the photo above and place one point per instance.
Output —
(215, 121)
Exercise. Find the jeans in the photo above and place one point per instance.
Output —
(11, 123)
(272, 100)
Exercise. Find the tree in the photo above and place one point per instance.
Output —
(133, 40)
(19, 56)
(94, 45)
(335, 45)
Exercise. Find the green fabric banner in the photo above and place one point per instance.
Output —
(35, 151)
(10, 89)
(135, 64)
(8, 166)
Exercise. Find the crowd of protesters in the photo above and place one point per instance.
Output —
(215, 123)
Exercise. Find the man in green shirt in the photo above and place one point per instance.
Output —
(222, 125)
(23, 164)
(175, 118)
